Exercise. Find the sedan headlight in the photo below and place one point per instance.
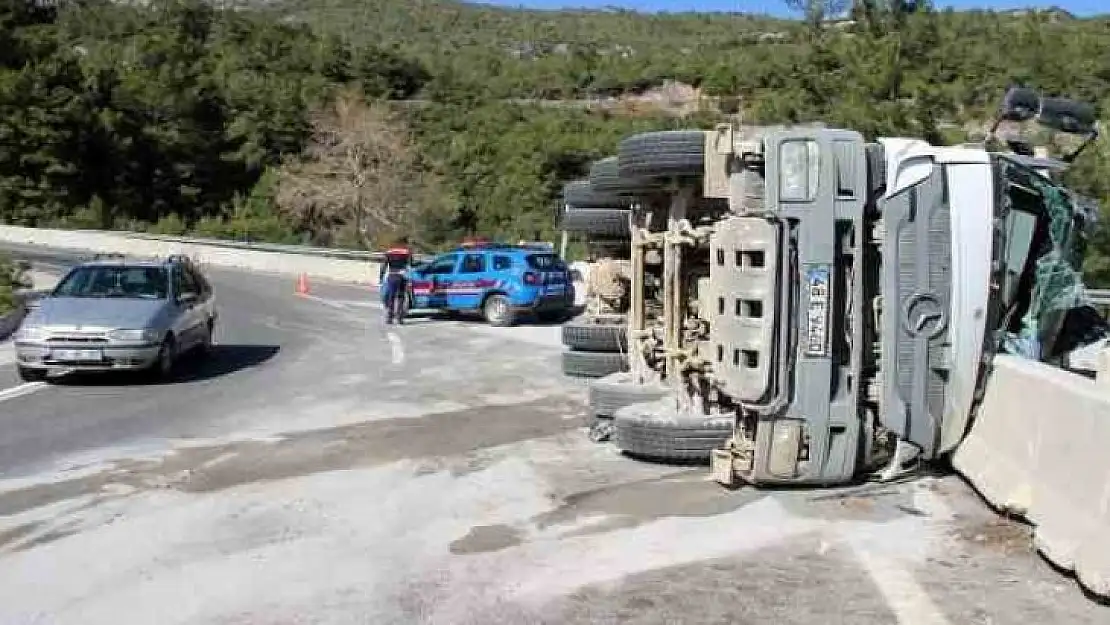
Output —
(31, 333)
(146, 335)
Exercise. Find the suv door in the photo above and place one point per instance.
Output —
(467, 285)
(429, 285)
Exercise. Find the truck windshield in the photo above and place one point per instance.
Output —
(116, 282)
(1043, 233)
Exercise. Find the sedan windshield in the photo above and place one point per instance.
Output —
(116, 282)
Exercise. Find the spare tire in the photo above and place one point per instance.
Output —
(663, 154)
(603, 222)
(594, 335)
(617, 390)
(656, 431)
(592, 364)
(605, 177)
(580, 194)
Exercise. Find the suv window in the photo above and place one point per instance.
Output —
(442, 265)
(545, 262)
(502, 263)
(116, 281)
(473, 263)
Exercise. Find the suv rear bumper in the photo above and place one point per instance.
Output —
(546, 304)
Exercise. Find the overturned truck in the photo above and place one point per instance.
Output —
(808, 307)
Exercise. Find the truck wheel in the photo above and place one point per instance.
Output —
(656, 431)
(603, 222)
(615, 391)
(592, 364)
(605, 177)
(497, 311)
(579, 193)
(663, 154)
(587, 334)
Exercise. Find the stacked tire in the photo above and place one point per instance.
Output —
(595, 346)
(595, 214)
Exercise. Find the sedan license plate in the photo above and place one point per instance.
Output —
(817, 319)
(77, 355)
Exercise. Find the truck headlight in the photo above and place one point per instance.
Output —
(145, 335)
(799, 170)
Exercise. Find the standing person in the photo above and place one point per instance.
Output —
(398, 258)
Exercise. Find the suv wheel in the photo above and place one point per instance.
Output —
(497, 311)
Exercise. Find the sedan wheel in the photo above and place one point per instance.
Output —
(163, 367)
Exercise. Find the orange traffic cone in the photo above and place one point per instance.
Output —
(302, 285)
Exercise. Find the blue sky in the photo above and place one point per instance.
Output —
(778, 7)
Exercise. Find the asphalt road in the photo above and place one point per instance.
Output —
(325, 468)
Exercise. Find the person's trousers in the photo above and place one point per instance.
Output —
(393, 288)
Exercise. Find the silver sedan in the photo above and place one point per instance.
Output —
(109, 316)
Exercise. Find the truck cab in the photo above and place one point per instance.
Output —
(889, 274)
(838, 299)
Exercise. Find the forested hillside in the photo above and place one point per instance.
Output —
(345, 122)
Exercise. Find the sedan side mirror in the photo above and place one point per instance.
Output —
(187, 299)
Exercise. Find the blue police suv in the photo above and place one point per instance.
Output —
(499, 281)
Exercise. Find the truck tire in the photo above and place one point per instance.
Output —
(615, 391)
(593, 335)
(605, 177)
(580, 194)
(663, 154)
(578, 364)
(655, 431)
(603, 222)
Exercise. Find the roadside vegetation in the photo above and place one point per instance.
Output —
(349, 122)
(11, 279)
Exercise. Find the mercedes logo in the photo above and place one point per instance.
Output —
(923, 315)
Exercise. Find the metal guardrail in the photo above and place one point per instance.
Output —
(304, 250)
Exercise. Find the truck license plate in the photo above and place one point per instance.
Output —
(77, 355)
(817, 319)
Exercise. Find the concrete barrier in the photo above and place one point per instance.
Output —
(338, 269)
(1040, 448)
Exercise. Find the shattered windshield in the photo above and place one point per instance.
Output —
(1045, 232)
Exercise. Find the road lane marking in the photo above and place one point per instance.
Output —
(397, 348)
(321, 300)
(21, 390)
(905, 597)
